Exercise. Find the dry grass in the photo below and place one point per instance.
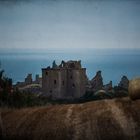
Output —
(98, 120)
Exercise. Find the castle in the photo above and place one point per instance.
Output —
(66, 81)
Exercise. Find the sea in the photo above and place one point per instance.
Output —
(114, 63)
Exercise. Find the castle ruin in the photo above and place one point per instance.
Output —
(66, 81)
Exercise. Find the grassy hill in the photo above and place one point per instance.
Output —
(113, 119)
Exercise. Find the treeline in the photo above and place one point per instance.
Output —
(116, 92)
(5, 87)
(14, 98)
(18, 100)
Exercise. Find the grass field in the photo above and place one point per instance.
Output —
(113, 119)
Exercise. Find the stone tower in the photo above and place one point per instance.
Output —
(66, 81)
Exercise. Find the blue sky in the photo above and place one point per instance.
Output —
(69, 24)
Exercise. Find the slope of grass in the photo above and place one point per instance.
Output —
(97, 120)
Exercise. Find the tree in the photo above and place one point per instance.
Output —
(5, 87)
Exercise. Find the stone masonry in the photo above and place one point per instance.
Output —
(66, 81)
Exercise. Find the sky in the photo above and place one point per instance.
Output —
(69, 24)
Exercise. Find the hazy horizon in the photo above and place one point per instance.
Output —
(69, 25)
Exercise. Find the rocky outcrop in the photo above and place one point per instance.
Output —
(97, 82)
(124, 83)
(134, 89)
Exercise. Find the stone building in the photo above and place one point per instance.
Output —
(66, 81)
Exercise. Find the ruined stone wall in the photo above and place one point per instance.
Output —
(28, 79)
(76, 82)
(54, 82)
(63, 83)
